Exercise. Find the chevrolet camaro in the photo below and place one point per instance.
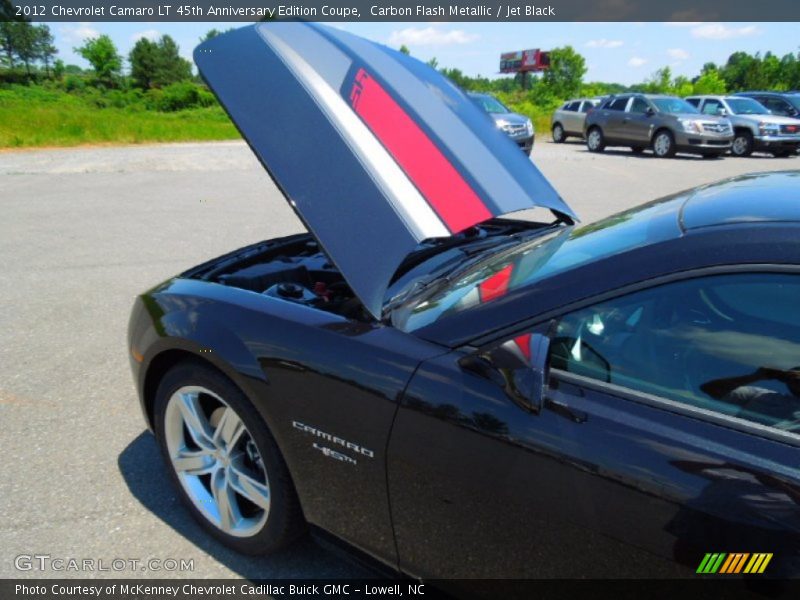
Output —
(452, 387)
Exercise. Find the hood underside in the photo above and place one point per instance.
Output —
(374, 150)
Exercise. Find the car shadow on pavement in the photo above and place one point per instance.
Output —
(145, 474)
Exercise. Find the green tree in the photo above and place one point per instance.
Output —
(660, 82)
(144, 62)
(710, 82)
(44, 48)
(103, 56)
(212, 33)
(404, 50)
(433, 63)
(7, 46)
(25, 38)
(564, 78)
(158, 64)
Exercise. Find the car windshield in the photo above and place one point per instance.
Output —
(674, 105)
(746, 106)
(490, 104)
(528, 262)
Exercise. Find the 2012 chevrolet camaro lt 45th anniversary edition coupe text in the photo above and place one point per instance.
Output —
(456, 392)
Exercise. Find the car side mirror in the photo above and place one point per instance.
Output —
(650, 112)
(722, 112)
(538, 371)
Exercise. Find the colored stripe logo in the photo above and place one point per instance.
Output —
(734, 563)
(440, 183)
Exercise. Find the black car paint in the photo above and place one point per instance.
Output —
(464, 481)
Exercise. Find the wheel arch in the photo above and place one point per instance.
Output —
(659, 129)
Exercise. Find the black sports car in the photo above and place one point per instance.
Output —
(459, 393)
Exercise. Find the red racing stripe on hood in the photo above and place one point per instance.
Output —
(440, 183)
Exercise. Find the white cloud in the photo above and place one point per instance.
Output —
(604, 43)
(677, 54)
(718, 31)
(75, 33)
(150, 34)
(637, 61)
(430, 36)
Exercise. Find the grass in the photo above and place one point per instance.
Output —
(37, 116)
(34, 118)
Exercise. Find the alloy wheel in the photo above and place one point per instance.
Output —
(594, 139)
(739, 147)
(558, 134)
(217, 461)
(662, 144)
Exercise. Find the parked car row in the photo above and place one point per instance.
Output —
(709, 125)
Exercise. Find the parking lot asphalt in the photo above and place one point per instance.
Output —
(82, 232)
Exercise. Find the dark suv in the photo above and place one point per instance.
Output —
(778, 103)
(664, 123)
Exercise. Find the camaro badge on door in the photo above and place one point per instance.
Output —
(330, 453)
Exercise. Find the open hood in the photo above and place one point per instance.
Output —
(374, 150)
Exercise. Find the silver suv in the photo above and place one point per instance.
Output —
(664, 123)
(518, 127)
(568, 120)
(754, 127)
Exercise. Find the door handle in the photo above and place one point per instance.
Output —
(564, 410)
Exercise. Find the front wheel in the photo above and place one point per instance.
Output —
(742, 144)
(224, 461)
(595, 141)
(558, 133)
(664, 144)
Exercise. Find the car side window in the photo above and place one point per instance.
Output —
(694, 102)
(638, 106)
(618, 104)
(587, 106)
(725, 343)
(777, 106)
(712, 107)
(573, 106)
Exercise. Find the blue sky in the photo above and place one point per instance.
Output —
(619, 52)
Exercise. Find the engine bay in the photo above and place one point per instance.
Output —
(294, 269)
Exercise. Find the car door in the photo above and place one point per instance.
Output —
(615, 114)
(637, 122)
(712, 107)
(667, 433)
(572, 121)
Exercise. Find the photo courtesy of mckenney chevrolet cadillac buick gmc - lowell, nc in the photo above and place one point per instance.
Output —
(441, 385)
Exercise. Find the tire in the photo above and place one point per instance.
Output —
(249, 474)
(637, 149)
(595, 141)
(664, 144)
(742, 143)
(559, 135)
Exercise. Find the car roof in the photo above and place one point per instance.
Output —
(756, 198)
(766, 93)
(747, 219)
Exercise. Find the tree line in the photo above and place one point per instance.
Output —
(27, 52)
(565, 78)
